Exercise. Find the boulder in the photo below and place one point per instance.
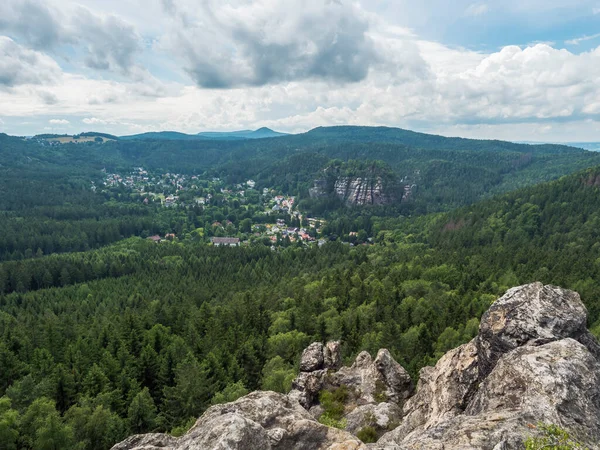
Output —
(312, 358)
(533, 314)
(381, 416)
(373, 381)
(532, 361)
(260, 420)
(332, 355)
(557, 382)
(306, 387)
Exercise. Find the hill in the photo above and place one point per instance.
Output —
(261, 133)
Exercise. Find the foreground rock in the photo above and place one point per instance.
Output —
(260, 420)
(376, 388)
(532, 361)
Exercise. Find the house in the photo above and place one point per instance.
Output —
(227, 241)
(156, 238)
(251, 184)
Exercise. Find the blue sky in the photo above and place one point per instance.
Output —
(517, 70)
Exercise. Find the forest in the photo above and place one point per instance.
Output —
(105, 333)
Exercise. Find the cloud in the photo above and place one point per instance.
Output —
(19, 65)
(477, 9)
(59, 122)
(111, 43)
(94, 121)
(226, 44)
(596, 10)
(107, 41)
(577, 41)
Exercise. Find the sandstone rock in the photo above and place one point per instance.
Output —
(381, 416)
(332, 356)
(397, 379)
(306, 387)
(150, 441)
(557, 383)
(532, 361)
(443, 391)
(260, 420)
(533, 314)
(312, 358)
(373, 381)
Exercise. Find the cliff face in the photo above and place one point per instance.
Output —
(533, 361)
(361, 191)
(355, 191)
(359, 184)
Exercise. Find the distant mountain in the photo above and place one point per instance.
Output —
(592, 146)
(162, 136)
(207, 135)
(261, 133)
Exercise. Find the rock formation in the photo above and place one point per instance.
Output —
(533, 361)
(361, 191)
(258, 421)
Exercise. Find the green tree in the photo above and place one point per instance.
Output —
(141, 415)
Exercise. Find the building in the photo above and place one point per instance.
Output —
(156, 238)
(227, 241)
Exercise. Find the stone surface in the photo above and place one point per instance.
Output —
(373, 381)
(557, 383)
(312, 358)
(532, 361)
(260, 420)
(306, 387)
(332, 356)
(381, 416)
(533, 314)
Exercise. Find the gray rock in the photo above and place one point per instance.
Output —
(557, 383)
(150, 441)
(533, 314)
(397, 379)
(332, 356)
(312, 358)
(260, 420)
(382, 416)
(532, 361)
(373, 381)
(306, 387)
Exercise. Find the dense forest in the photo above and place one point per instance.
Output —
(104, 333)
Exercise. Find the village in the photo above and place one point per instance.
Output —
(275, 218)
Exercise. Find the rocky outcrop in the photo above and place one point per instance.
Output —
(260, 420)
(532, 361)
(361, 191)
(376, 388)
(531, 315)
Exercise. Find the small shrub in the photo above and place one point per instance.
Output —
(368, 435)
(333, 402)
(552, 438)
(329, 421)
(380, 396)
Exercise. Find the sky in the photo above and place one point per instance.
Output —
(520, 70)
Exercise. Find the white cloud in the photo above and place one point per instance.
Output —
(577, 41)
(94, 121)
(596, 10)
(477, 9)
(59, 122)
(20, 65)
